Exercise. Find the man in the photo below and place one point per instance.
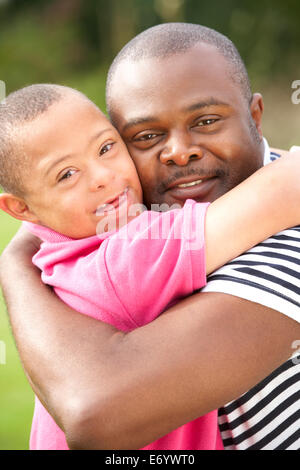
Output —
(180, 97)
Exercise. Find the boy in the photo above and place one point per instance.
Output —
(68, 177)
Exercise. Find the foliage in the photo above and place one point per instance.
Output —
(72, 42)
(64, 36)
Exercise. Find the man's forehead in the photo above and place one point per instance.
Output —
(197, 75)
(201, 66)
(197, 57)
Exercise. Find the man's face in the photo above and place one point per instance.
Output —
(187, 125)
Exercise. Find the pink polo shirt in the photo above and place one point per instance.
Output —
(127, 278)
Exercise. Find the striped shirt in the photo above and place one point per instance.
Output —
(267, 417)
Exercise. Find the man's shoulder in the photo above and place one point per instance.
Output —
(279, 152)
(267, 274)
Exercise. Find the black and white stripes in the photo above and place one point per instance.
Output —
(268, 274)
(267, 416)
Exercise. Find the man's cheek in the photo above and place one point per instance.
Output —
(144, 171)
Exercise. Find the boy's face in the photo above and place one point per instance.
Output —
(78, 164)
(186, 125)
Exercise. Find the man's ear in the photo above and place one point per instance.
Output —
(257, 109)
(16, 207)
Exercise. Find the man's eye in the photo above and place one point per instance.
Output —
(145, 137)
(106, 148)
(146, 140)
(206, 122)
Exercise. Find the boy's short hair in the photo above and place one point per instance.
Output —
(174, 38)
(18, 108)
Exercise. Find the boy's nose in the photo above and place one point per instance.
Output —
(180, 151)
(100, 176)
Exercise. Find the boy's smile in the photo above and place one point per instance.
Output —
(77, 167)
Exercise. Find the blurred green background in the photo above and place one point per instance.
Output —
(72, 42)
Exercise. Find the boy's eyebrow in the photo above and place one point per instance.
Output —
(65, 157)
(193, 107)
(54, 164)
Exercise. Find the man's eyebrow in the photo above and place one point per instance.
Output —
(137, 121)
(65, 157)
(206, 104)
(193, 107)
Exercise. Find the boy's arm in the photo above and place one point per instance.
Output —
(133, 388)
(154, 266)
(262, 205)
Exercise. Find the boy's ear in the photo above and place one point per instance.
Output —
(16, 207)
(257, 109)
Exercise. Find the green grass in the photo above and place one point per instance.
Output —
(16, 397)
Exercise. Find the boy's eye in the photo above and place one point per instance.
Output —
(106, 148)
(66, 175)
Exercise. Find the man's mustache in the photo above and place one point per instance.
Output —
(197, 172)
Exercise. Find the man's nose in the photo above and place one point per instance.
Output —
(180, 151)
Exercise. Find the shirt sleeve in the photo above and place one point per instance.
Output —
(267, 274)
(156, 259)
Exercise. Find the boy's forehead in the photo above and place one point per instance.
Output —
(74, 99)
(67, 121)
(71, 107)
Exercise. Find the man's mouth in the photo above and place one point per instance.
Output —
(192, 187)
(187, 181)
(188, 185)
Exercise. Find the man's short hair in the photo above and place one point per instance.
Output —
(174, 38)
(17, 108)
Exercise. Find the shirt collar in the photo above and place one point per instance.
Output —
(267, 153)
